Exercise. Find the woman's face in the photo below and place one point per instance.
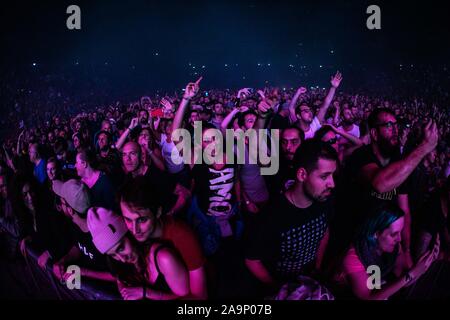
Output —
(124, 251)
(51, 171)
(389, 238)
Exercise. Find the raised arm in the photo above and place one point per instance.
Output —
(335, 82)
(393, 175)
(126, 133)
(353, 139)
(293, 103)
(190, 92)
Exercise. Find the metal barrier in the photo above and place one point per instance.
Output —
(47, 286)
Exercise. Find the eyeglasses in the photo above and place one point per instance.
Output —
(305, 110)
(388, 125)
(331, 141)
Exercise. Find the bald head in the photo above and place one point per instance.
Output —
(131, 156)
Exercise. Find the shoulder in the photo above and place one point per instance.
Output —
(351, 262)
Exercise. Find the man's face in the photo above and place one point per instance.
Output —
(143, 117)
(57, 121)
(218, 109)
(290, 141)
(348, 117)
(140, 221)
(106, 126)
(66, 209)
(387, 134)
(305, 113)
(249, 121)
(319, 183)
(51, 171)
(131, 157)
(80, 166)
(33, 153)
(103, 142)
(389, 238)
(28, 196)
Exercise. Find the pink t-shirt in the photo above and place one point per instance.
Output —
(350, 264)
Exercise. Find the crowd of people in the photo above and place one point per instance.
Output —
(363, 182)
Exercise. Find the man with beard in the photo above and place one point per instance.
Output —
(143, 118)
(218, 115)
(108, 157)
(292, 233)
(376, 172)
(291, 138)
(348, 123)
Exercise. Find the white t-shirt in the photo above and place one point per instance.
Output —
(166, 150)
(354, 132)
(314, 126)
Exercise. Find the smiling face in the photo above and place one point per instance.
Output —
(141, 222)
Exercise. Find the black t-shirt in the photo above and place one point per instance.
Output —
(215, 189)
(163, 185)
(432, 218)
(103, 193)
(286, 238)
(282, 180)
(91, 258)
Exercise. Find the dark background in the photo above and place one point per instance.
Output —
(147, 45)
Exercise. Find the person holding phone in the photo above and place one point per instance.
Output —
(377, 247)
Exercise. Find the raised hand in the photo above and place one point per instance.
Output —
(243, 93)
(192, 89)
(301, 90)
(133, 124)
(430, 136)
(166, 104)
(262, 94)
(265, 106)
(243, 109)
(336, 79)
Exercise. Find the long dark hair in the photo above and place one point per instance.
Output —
(18, 204)
(365, 241)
